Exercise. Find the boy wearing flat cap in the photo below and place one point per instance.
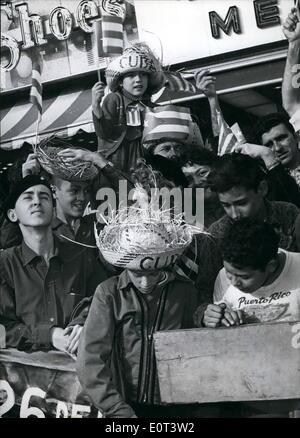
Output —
(43, 280)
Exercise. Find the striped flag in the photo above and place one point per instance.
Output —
(133, 116)
(167, 121)
(227, 139)
(36, 87)
(188, 264)
(174, 81)
(112, 35)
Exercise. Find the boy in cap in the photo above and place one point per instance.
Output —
(116, 362)
(42, 280)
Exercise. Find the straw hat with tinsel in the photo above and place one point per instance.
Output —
(143, 237)
(76, 171)
(138, 57)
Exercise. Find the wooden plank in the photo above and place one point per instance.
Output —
(246, 363)
(2, 336)
(54, 360)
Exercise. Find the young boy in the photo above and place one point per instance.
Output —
(116, 363)
(265, 283)
(265, 287)
(42, 280)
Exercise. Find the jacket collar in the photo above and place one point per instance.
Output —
(29, 255)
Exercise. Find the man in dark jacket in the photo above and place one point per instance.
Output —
(42, 280)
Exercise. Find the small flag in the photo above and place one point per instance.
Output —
(188, 264)
(167, 121)
(133, 116)
(174, 81)
(36, 87)
(112, 35)
(227, 139)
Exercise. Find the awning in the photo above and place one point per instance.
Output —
(63, 115)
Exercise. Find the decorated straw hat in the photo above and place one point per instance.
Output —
(137, 57)
(143, 246)
(76, 171)
(143, 237)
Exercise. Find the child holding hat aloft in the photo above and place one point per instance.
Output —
(132, 78)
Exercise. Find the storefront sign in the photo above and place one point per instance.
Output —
(192, 29)
(62, 31)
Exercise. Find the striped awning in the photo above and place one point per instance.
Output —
(63, 115)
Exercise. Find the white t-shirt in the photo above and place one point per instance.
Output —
(279, 301)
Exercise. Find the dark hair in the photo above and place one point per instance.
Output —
(248, 243)
(266, 123)
(201, 156)
(231, 170)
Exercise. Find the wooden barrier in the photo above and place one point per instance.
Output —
(246, 363)
(2, 336)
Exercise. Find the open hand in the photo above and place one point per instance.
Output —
(73, 338)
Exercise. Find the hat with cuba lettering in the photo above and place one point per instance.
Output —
(138, 57)
(143, 237)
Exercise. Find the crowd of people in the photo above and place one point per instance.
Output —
(99, 291)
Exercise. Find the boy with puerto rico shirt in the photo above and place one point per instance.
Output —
(265, 283)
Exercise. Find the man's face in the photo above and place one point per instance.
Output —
(72, 197)
(34, 207)
(169, 149)
(196, 174)
(240, 203)
(247, 280)
(282, 142)
(145, 281)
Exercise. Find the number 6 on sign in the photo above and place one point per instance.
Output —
(10, 397)
(25, 411)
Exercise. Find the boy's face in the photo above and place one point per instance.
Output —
(145, 281)
(34, 207)
(247, 280)
(72, 197)
(135, 83)
(240, 202)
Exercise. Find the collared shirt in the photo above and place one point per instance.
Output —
(295, 121)
(281, 215)
(83, 233)
(35, 297)
(295, 173)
